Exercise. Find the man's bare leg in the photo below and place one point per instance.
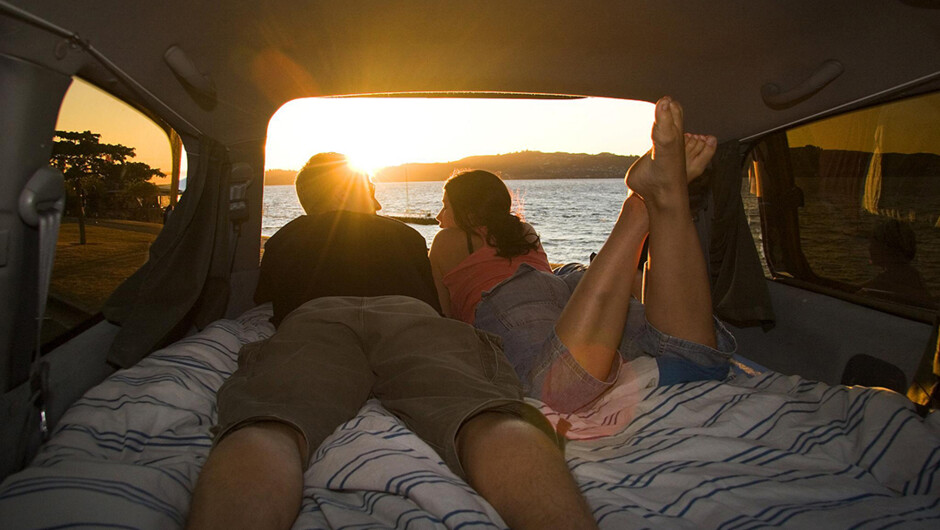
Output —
(678, 296)
(252, 479)
(521, 473)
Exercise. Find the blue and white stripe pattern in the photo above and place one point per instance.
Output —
(767, 451)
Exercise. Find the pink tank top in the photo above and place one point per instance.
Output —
(481, 271)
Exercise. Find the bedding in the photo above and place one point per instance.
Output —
(758, 451)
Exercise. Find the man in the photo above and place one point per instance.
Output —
(341, 248)
(357, 316)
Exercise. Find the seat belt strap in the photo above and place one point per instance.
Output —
(41, 204)
(239, 181)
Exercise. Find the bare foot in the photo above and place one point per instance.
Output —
(659, 177)
(699, 150)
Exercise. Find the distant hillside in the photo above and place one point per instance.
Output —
(277, 177)
(814, 162)
(906, 182)
(521, 165)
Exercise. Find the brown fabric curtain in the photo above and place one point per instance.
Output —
(155, 306)
(739, 289)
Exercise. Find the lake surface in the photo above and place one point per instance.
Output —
(573, 216)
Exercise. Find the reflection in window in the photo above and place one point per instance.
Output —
(750, 193)
(866, 189)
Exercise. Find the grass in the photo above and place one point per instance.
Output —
(85, 275)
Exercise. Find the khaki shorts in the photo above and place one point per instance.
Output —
(332, 354)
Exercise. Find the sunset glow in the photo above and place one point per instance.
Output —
(379, 132)
(85, 107)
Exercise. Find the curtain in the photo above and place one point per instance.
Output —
(188, 265)
(739, 289)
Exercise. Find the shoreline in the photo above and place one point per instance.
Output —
(425, 219)
(276, 182)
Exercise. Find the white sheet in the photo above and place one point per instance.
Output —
(757, 452)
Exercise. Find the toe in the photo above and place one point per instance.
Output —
(675, 110)
(667, 124)
(694, 146)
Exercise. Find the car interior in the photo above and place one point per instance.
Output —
(819, 217)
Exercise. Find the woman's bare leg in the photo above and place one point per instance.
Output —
(592, 323)
(678, 296)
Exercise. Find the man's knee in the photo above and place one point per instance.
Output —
(490, 430)
(274, 436)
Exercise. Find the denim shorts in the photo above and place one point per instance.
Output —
(522, 311)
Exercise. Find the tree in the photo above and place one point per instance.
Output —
(119, 176)
(92, 168)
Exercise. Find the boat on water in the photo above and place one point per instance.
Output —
(415, 218)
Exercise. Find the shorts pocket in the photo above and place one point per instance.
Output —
(491, 354)
(248, 355)
(528, 298)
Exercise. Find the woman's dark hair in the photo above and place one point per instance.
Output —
(480, 199)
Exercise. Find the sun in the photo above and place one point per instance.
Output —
(365, 162)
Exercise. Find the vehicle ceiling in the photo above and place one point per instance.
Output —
(712, 56)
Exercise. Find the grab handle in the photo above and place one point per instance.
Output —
(825, 74)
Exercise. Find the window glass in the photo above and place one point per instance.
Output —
(563, 159)
(118, 168)
(853, 202)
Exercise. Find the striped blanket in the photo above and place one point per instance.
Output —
(759, 451)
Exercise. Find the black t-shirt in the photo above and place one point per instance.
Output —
(343, 253)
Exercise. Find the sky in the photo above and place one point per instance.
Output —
(378, 132)
(86, 108)
(906, 126)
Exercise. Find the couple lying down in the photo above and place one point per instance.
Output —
(357, 304)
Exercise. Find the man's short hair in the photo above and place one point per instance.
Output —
(322, 177)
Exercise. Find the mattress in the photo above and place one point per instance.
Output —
(756, 451)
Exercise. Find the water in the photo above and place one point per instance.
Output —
(573, 216)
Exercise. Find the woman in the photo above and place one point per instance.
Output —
(567, 336)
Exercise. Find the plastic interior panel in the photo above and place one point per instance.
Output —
(816, 335)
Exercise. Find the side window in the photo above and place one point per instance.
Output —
(852, 202)
(122, 180)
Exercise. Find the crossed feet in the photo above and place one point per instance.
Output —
(661, 176)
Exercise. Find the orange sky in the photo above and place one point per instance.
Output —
(907, 126)
(87, 108)
(376, 132)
